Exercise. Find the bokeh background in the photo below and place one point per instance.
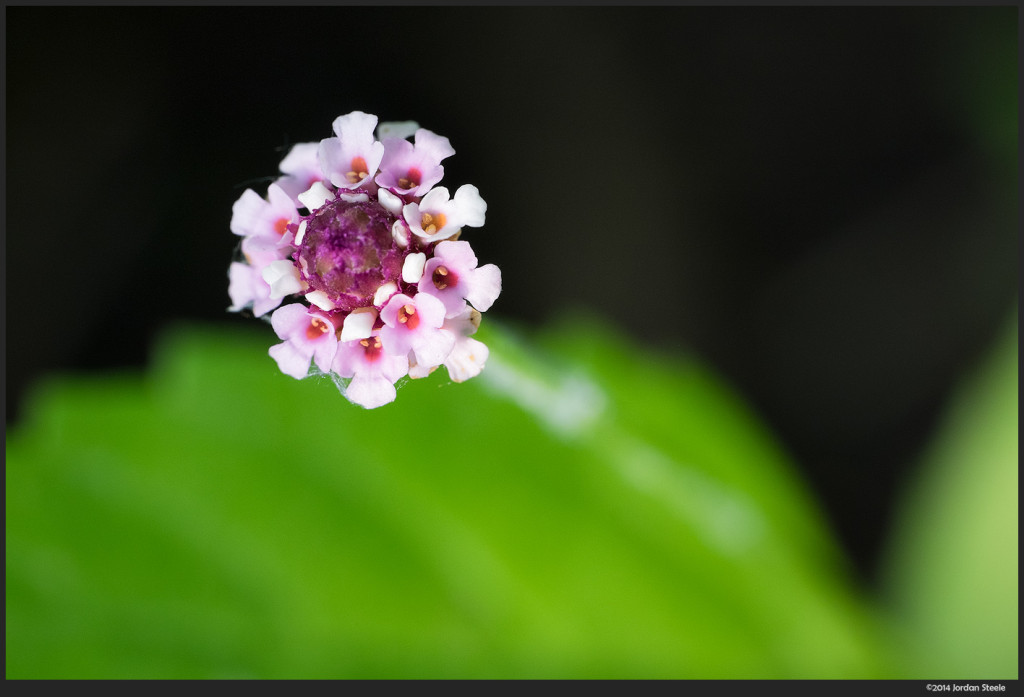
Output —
(819, 203)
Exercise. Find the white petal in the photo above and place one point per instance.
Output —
(400, 231)
(392, 203)
(301, 233)
(317, 196)
(384, 293)
(359, 324)
(412, 270)
(354, 198)
(283, 278)
(320, 299)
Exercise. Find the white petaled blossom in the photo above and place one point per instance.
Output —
(352, 256)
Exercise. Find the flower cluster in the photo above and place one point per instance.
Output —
(358, 234)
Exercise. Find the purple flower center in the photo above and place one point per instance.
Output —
(348, 252)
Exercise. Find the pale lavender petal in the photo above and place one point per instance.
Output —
(371, 391)
(471, 208)
(290, 320)
(323, 353)
(355, 129)
(240, 285)
(290, 359)
(484, 287)
(264, 303)
(301, 161)
(330, 157)
(456, 254)
(245, 286)
(430, 309)
(432, 347)
(467, 359)
(397, 341)
(393, 367)
(346, 358)
(293, 186)
(432, 146)
(260, 250)
(246, 213)
(398, 158)
(280, 204)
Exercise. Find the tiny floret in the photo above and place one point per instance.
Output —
(353, 257)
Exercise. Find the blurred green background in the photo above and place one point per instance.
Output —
(751, 409)
(581, 510)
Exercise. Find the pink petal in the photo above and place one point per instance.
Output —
(301, 161)
(430, 309)
(246, 213)
(456, 254)
(290, 320)
(433, 146)
(246, 285)
(432, 347)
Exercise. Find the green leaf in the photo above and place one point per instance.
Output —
(952, 566)
(583, 509)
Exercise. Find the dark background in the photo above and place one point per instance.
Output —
(821, 203)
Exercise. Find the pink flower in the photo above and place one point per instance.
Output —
(413, 169)
(373, 372)
(266, 219)
(307, 336)
(438, 218)
(351, 159)
(301, 168)
(413, 324)
(357, 233)
(452, 277)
